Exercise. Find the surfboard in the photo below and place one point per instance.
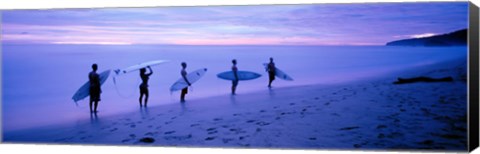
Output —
(192, 77)
(139, 66)
(84, 90)
(242, 75)
(279, 73)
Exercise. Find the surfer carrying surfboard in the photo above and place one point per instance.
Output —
(271, 72)
(184, 76)
(235, 81)
(144, 85)
(94, 89)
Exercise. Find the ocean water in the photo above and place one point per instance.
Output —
(39, 80)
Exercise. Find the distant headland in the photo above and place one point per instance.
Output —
(456, 38)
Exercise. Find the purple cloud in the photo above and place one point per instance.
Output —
(322, 24)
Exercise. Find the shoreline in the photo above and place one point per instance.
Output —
(300, 117)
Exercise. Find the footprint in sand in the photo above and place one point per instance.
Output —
(133, 126)
(169, 132)
(211, 129)
(291, 104)
(179, 137)
(194, 125)
(209, 138)
(226, 140)
(243, 137)
(335, 114)
(238, 130)
(132, 135)
(236, 114)
(217, 119)
(212, 132)
(150, 133)
(312, 138)
(250, 121)
(261, 123)
(114, 129)
(381, 136)
(427, 142)
(357, 145)
(381, 126)
(147, 140)
(262, 111)
(349, 128)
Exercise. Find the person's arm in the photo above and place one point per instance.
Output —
(184, 76)
(150, 69)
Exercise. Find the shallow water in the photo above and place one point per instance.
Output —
(39, 80)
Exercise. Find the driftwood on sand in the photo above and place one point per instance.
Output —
(422, 79)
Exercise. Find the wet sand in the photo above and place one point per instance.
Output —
(369, 114)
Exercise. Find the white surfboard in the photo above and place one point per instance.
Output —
(242, 75)
(279, 73)
(84, 91)
(139, 66)
(192, 77)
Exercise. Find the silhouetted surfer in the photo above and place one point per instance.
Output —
(144, 86)
(271, 72)
(94, 90)
(234, 82)
(184, 76)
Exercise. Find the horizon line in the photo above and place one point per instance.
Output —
(133, 44)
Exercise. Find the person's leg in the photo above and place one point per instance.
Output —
(141, 97)
(91, 103)
(96, 105)
(234, 86)
(271, 77)
(182, 95)
(146, 97)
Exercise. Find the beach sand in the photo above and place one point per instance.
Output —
(368, 114)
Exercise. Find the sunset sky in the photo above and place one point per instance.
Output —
(323, 24)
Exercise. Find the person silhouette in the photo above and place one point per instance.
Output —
(184, 76)
(144, 85)
(235, 81)
(271, 72)
(94, 90)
